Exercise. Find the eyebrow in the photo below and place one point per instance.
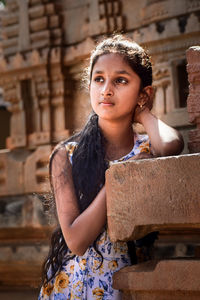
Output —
(117, 72)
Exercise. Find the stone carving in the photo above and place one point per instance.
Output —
(182, 22)
(37, 180)
(11, 174)
(24, 37)
(193, 101)
(105, 16)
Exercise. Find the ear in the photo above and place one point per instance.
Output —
(146, 97)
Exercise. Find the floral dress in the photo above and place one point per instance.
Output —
(87, 277)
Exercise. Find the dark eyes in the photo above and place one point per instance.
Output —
(118, 80)
(99, 79)
(121, 80)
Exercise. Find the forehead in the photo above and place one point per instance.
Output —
(111, 61)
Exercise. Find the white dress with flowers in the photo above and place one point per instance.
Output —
(81, 277)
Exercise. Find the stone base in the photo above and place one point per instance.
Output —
(163, 280)
(19, 295)
(161, 296)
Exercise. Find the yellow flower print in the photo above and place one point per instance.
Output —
(82, 264)
(102, 240)
(97, 267)
(144, 147)
(78, 286)
(98, 293)
(120, 247)
(112, 265)
(61, 282)
(47, 290)
(71, 269)
(101, 270)
(74, 297)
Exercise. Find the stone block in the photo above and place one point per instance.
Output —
(29, 274)
(193, 101)
(153, 195)
(164, 280)
(36, 171)
(11, 173)
(22, 252)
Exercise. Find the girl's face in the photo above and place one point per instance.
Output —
(114, 88)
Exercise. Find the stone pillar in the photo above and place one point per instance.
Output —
(193, 101)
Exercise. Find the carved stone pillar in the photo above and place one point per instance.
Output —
(162, 83)
(105, 16)
(193, 101)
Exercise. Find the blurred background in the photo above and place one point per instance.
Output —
(44, 47)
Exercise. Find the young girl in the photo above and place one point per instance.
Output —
(82, 258)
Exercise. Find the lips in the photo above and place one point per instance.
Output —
(106, 102)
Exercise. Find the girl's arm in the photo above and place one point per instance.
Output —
(79, 229)
(165, 140)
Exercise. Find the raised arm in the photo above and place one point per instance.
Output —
(79, 230)
(165, 140)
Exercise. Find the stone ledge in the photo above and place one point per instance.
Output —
(20, 275)
(157, 280)
(25, 235)
(153, 195)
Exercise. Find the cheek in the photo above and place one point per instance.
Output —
(92, 98)
(93, 93)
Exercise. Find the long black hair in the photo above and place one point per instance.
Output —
(89, 163)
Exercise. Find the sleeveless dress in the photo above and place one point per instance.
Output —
(84, 277)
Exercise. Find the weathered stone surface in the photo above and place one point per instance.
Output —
(11, 173)
(151, 195)
(22, 252)
(193, 101)
(36, 171)
(30, 294)
(24, 235)
(171, 279)
(29, 274)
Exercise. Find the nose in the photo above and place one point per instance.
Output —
(107, 90)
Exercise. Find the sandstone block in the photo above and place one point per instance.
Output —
(193, 101)
(154, 194)
(11, 174)
(165, 280)
(36, 171)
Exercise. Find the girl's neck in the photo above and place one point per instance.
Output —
(119, 138)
